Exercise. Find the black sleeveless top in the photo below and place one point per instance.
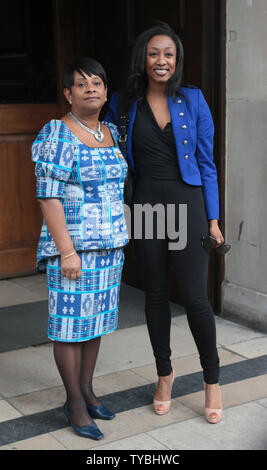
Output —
(154, 150)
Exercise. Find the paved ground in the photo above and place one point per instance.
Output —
(31, 393)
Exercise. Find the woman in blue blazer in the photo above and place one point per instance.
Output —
(170, 150)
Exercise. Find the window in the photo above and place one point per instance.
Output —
(27, 52)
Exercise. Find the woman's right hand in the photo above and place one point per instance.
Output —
(71, 267)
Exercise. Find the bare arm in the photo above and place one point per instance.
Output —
(54, 216)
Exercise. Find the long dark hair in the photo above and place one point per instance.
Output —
(83, 64)
(137, 81)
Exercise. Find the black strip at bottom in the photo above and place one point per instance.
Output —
(41, 423)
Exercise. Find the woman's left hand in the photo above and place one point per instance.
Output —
(215, 231)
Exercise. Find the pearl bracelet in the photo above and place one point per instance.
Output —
(67, 256)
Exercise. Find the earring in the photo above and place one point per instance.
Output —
(70, 102)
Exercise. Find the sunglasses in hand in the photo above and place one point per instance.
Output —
(210, 244)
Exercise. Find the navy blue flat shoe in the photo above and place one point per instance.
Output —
(91, 431)
(100, 412)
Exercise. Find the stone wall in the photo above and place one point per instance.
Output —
(245, 286)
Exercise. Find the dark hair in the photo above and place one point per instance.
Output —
(136, 83)
(83, 64)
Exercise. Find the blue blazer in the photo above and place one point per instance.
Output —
(193, 131)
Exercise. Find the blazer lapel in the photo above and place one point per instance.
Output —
(180, 125)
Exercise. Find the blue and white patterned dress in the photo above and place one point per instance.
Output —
(89, 183)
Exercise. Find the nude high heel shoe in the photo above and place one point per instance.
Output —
(213, 415)
(162, 407)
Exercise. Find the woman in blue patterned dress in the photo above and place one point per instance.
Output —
(80, 174)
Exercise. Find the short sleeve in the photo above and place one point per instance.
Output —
(53, 154)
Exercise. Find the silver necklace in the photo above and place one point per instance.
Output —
(98, 135)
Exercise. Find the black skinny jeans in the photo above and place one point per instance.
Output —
(191, 270)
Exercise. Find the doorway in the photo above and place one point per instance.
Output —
(76, 28)
(201, 27)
